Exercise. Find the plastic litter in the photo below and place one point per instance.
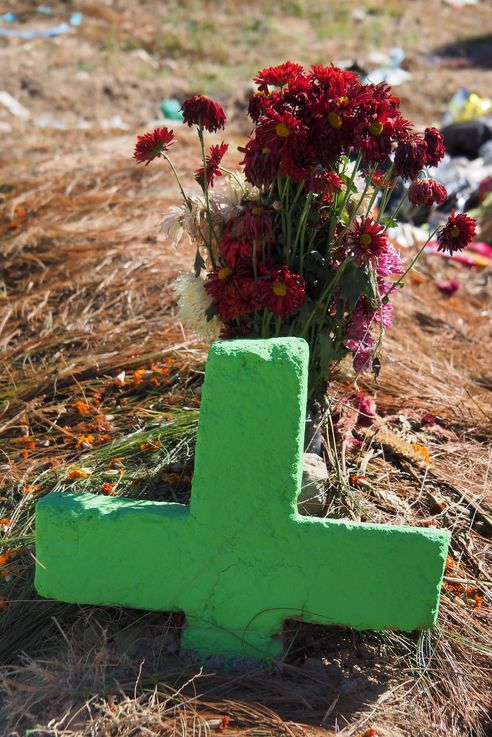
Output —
(171, 109)
(76, 19)
(42, 33)
(466, 105)
(485, 152)
(389, 69)
(47, 122)
(468, 257)
(8, 17)
(13, 105)
(448, 288)
(461, 3)
(114, 122)
(44, 9)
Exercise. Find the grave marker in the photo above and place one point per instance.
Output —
(240, 559)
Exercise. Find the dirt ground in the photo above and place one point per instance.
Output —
(87, 308)
(126, 56)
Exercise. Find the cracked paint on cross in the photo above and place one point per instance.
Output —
(240, 559)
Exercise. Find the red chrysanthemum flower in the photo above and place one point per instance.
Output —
(383, 128)
(410, 156)
(333, 79)
(257, 222)
(381, 180)
(366, 240)
(278, 76)
(457, 234)
(435, 146)
(259, 102)
(201, 110)
(333, 123)
(282, 292)
(234, 247)
(427, 192)
(260, 163)
(153, 144)
(297, 162)
(233, 291)
(213, 160)
(325, 182)
(276, 131)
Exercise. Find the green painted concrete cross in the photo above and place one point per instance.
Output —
(240, 559)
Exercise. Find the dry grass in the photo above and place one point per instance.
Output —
(88, 295)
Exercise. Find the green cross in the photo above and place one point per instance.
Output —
(240, 559)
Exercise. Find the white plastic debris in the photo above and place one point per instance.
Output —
(13, 105)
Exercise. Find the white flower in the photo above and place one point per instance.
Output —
(194, 301)
(172, 224)
(227, 198)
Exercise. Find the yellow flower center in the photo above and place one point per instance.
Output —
(376, 128)
(265, 150)
(342, 100)
(259, 210)
(280, 289)
(455, 231)
(334, 119)
(281, 130)
(365, 239)
(224, 272)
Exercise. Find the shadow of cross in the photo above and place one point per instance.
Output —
(240, 559)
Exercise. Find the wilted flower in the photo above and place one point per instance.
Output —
(201, 110)
(427, 192)
(213, 164)
(195, 307)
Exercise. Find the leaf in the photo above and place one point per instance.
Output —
(389, 221)
(210, 313)
(354, 283)
(349, 184)
(328, 351)
(199, 263)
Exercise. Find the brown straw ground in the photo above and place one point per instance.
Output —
(100, 379)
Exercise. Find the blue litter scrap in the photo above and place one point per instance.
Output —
(29, 35)
(75, 21)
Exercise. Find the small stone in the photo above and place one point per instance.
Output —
(312, 499)
(321, 668)
(214, 662)
(243, 664)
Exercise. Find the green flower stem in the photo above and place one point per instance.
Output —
(331, 286)
(183, 194)
(207, 202)
(412, 262)
(388, 190)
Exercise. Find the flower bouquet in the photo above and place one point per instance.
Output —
(296, 241)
